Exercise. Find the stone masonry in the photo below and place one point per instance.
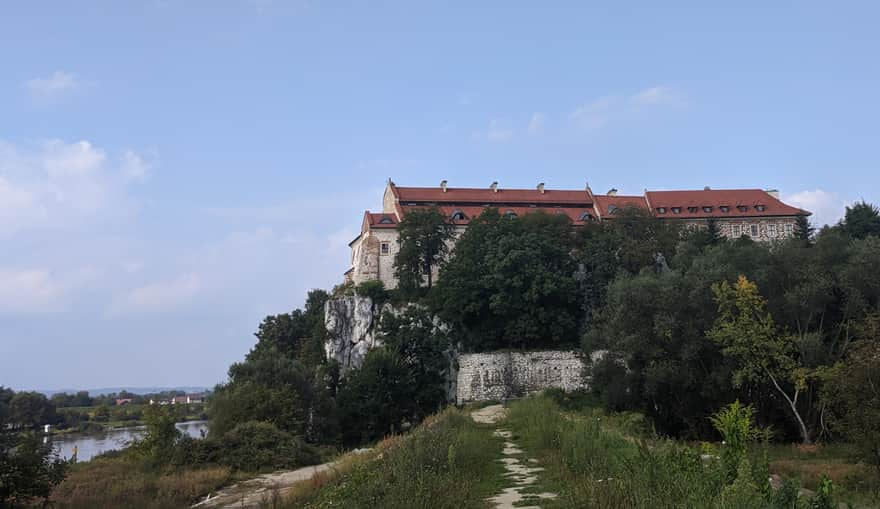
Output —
(501, 375)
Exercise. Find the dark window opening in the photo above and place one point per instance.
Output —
(707, 209)
(724, 208)
(692, 210)
(661, 210)
(676, 210)
(386, 220)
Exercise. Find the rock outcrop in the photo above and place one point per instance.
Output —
(351, 324)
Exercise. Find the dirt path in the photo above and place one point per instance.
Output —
(521, 471)
(264, 490)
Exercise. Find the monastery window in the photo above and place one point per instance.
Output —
(459, 216)
(612, 208)
(707, 209)
(760, 208)
(661, 210)
(585, 216)
(510, 214)
(676, 210)
(384, 248)
(742, 208)
(737, 231)
(772, 230)
(789, 230)
(724, 208)
(693, 210)
(386, 220)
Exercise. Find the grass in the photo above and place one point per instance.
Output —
(113, 482)
(856, 483)
(599, 460)
(448, 462)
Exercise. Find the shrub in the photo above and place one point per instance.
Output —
(255, 445)
(375, 290)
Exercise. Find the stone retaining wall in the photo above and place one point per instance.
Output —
(500, 375)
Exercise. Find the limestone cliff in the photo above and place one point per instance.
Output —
(351, 324)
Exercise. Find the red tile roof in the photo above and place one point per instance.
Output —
(380, 220)
(575, 214)
(422, 195)
(709, 203)
(605, 204)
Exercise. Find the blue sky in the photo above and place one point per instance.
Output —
(171, 172)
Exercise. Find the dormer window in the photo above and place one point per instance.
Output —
(676, 210)
(386, 220)
(585, 216)
(724, 208)
(459, 216)
(742, 208)
(612, 209)
(510, 214)
(707, 209)
(760, 208)
(693, 210)
(661, 210)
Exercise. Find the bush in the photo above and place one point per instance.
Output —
(375, 290)
(252, 446)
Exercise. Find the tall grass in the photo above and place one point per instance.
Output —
(114, 482)
(448, 462)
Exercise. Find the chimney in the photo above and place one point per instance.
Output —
(773, 192)
(494, 187)
(443, 185)
(707, 188)
(541, 188)
(612, 192)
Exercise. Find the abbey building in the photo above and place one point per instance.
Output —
(755, 213)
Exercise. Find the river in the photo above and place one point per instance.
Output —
(89, 445)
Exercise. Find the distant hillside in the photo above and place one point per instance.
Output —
(134, 390)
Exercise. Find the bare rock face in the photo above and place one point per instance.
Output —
(351, 324)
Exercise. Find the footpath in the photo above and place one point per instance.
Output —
(521, 472)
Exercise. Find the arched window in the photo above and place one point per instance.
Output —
(612, 209)
(585, 216)
(509, 214)
(386, 220)
(459, 216)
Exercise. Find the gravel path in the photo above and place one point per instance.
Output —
(263, 489)
(521, 471)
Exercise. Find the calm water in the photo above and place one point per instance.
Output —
(92, 444)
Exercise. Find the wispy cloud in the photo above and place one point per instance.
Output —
(495, 133)
(599, 112)
(52, 88)
(56, 184)
(157, 297)
(656, 96)
(536, 123)
(40, 290)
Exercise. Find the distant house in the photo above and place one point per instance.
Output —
(123, 401)
(198, 397)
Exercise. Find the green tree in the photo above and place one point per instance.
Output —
(511, 283)
(30, 410)
(855, 390)
(861, 220)
(29, 468)
(424, 237)
(803, 230)
(372, 400)
(157, 444)
(748, 334)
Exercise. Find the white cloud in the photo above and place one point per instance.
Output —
(595, 114)
(30, 290)
(134, 167)
(600, 112)
(536, 123)
(827, 207)
(55, 184)
(40, 290)
(52, 88)
(655, 96)
(495, 133)
(157, 297)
